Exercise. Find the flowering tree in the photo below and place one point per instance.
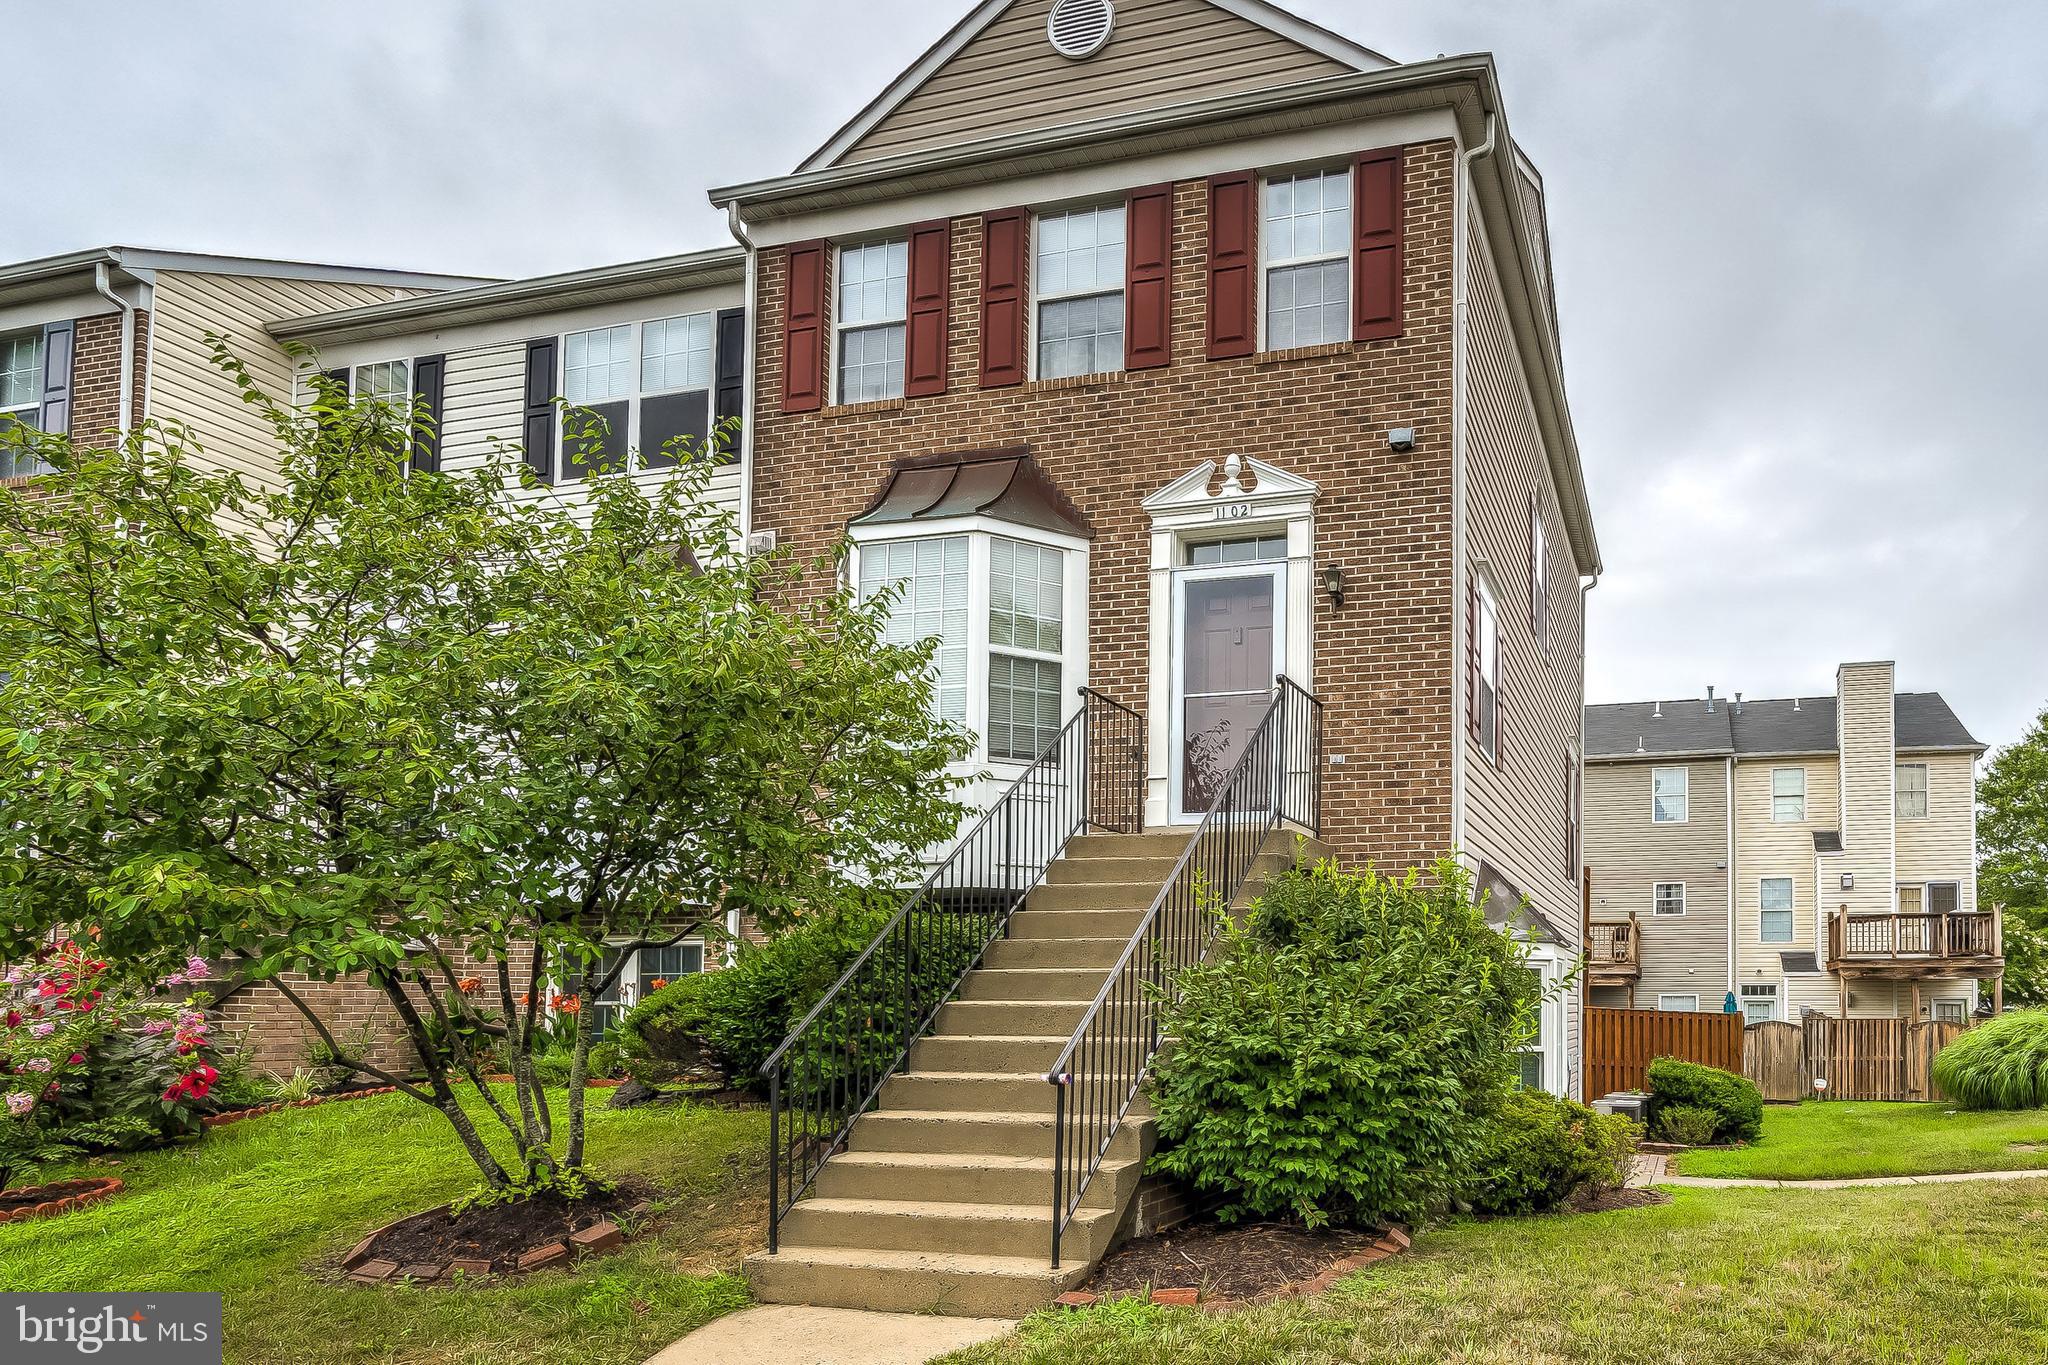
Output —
(61, 1016)
(456, 733)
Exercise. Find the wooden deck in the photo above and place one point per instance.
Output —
(1930, 946)
(1614, 952)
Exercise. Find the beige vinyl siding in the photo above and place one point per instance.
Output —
(1008, 78)
(186, 386)
(1941, 848)
(1516, 810)
(1628, 853)
(1779, 848)
(1866, 734)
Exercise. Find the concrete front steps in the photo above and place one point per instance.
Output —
(942, 1201)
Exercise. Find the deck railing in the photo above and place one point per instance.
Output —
(829, 1069)
(1615, 947)
(1278, 777)
(1918, 936)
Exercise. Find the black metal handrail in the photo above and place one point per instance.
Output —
(1278, 777)
(833, 1063)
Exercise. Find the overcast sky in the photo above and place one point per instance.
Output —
(1802, 250)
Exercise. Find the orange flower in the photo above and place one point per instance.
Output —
(657, 983)
(468, 985)
(524, 997)
(567, 1004)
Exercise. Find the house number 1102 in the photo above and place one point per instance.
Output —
(1233, 511)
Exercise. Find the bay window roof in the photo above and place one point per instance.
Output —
(1004, 485)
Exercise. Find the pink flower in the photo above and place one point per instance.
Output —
(44, 1029)
(196, 968)
(19, 1102)
(155, 1027)
(174, 979)
(36, 1064)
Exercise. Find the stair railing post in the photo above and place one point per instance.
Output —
(774, 1157)
(1059, 1129)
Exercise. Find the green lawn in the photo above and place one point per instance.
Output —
(1843, 1139)
(1717, 1277)
(254, 1208)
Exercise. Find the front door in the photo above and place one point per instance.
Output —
(1228, 650)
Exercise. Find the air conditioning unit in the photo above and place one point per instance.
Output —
(760, 542)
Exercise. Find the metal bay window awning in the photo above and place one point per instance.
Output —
(1005, 485)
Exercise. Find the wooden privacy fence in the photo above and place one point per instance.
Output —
(1860, 1059)
(1621, 1044)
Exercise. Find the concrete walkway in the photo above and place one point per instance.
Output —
(1653, 1168)
(784, 1334)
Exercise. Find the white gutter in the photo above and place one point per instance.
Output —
(126, 403)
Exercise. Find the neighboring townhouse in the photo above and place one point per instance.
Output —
(94, 342)
(1809, 854)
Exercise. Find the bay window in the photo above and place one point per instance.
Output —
(1079, 280)
(1305, 237)
(930, 579)
(873, 298)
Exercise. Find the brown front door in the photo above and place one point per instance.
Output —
(1227, 667)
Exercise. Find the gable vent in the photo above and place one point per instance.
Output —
(1079, 28)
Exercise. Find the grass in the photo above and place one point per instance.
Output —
(261, 1209)
(1841, 1140)
(1716, 1277)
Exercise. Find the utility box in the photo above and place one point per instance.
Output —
(1633, 1104)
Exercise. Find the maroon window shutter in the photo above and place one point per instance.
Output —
(803, 329)
(1233, 264)
(931, 279)
(1148, 278)
(1005, 280)
(1376, 250)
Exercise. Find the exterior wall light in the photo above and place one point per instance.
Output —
(1401, 440)
(1333, 584)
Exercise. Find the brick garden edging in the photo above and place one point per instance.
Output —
(237, 1115)
(600, 1237)
(65, 1196)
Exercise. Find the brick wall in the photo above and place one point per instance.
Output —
(96, 371)
(1383, 662)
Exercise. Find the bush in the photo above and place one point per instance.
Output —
(1687, 1124)
(733, 1018)
(1540, 1150)
(1338, 1056)
(1736, 1105)
(2000, 1064)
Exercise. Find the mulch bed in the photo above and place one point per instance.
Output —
(1240, 1263)
(62, 1196)
(498, 1239)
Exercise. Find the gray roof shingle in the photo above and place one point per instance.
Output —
(1772, 725)
(1622, 729)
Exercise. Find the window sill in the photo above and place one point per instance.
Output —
(862, 409)
(1327, 348)
(1107, 379)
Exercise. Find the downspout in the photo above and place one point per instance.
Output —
(1460, 386)
(1583, 891)
(1728, 822)
(739, 232)
(125, 404)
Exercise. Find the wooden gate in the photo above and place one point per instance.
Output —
(1621, 1044)
(1860, 1059)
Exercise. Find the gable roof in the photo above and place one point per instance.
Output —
(1147, 29)
(48, 276)
(1922, 722)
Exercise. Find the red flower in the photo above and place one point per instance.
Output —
(14, 1018)
(77, 1059)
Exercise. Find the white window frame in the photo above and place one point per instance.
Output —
(29, 414)
(1772, 991)
(1693, 1008)
(636, 391)
(1268, 265)
(1041, 296)
(629, 985)
(980, 533)
(1539, 577)
(1657, 911)
(1926, 791)
(1683, 796)
(1790, 910)
(1799, 796)
(841, 328)
(1486, 694)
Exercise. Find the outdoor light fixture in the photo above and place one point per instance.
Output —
(1401, 440)
(1333, 584)
(1848, 881)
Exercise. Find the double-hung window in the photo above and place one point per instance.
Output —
(388, 383)
(1910, 791)
(1305, 238)
(1026, 589)
(1774, 904)
(1668, 898)
(1759, 1002)
(873, 297)
(647, 388)
(930, 580)
(1788, 795)
(1486, 672)
(1079, 278)
(648, 972)
(1539, 577)
(21, 395)
(1670, 795)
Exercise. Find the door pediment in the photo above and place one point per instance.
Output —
(1249, 490)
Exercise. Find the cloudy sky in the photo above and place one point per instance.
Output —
(1802, 250)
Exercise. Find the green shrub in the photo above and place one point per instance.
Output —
(733, 1018)
(1736, 1104)
(1687, 1124)
(2000, 1064)
(1338, 1055)
(1540, 1150)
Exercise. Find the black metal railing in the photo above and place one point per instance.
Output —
(1277, 778)
(829, 1069)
